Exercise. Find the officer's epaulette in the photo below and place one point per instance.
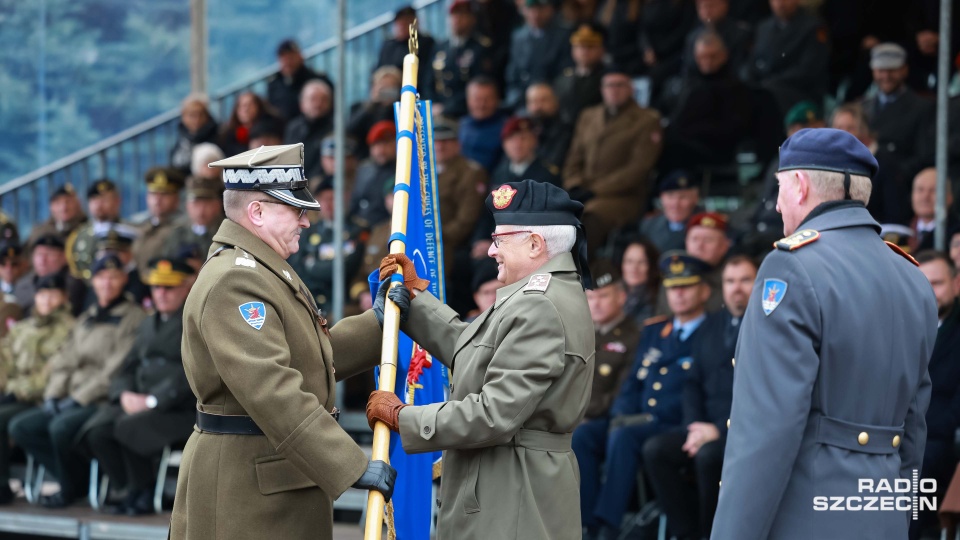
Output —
(538, 282)
(797, 240)
(899, 251)
(656, 319)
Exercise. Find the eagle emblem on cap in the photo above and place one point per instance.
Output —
(676, 266)
(503, 196)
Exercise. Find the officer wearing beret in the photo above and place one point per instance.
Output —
(163, 206)
(267, 456)
(650, 400)
(79, 380)
(819, 321)
(65, 215)
(520, 381)
(149, 404)
(679, 197)
(103, 204)
(464, 56)
(520, 149)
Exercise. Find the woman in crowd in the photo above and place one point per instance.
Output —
(249, 110)
(638, 265)
(196, 126)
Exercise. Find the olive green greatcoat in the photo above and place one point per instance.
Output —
(280, 485)
(25, 351)
(152, 240)
(520, 384)
(94, 351)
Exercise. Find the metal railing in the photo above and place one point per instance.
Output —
(126, 156)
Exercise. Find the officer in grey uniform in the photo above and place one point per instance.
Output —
(834, 308)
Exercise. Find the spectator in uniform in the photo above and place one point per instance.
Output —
(103, 204)
(118, 240)
(149, 404)
(553, 136)
(163, 207)
(203, 217)
(698, 444)
(79, 379)
(520, 156)
(48, 258)
(706, 240)
(539, 50)
(650, 400)
(578, 87)
(463, 56)
(65, 215)
(679, 198)
(615, 146)
(24, 354)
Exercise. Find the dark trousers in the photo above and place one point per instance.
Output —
(128, 447)
(624, 459)
(7, 412)
(590, 446)
(687, 488)
(50, 440)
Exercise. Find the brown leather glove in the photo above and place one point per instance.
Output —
(388, 267)
(384, 407)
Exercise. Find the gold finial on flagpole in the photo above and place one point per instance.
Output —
(413, 44)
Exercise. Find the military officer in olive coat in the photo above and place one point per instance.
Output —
(521, 378)
(204, 214)
(830, 386)
(267, 456)
(163, 205)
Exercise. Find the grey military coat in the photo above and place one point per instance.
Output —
(520, 384)
(830, 383)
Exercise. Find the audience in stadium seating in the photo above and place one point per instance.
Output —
(283, 90)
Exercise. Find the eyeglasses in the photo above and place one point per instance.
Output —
(499, 236)
(299, 216)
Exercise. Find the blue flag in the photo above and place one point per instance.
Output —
(427, 382)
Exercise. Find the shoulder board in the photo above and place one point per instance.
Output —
(654, 320)
(797, 240)
(538, 282)
(899, 251)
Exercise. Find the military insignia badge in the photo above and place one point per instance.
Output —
(503, 196)
(287, 275)
(773, 291)
(254, 313)
(538, 282)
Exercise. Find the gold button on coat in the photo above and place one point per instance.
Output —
(663, 371)
(728, 423)
(657, 386)
(896, 441)
(652, 402)
(863, 438)
(733, 362)
(685, 365)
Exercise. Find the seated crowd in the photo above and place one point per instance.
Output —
(525, 89)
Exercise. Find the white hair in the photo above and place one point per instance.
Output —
(319, 84)
(558, 238)
(829, 186)
(203, 154)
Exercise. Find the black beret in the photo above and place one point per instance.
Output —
(108, 261)
(57, 280)
(484, 270)
(678, 179)
(529, 202)
(680, 269)
(49, 240)
(827, 149)
(100, 187)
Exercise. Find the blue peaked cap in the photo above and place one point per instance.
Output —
(827, 149)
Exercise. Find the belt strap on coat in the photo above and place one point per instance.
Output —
(541, 440)
(227, 424)
(858, 437)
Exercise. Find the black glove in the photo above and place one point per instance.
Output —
(580, 194)
(378, 476)
(400, 296)
(7, 399)
(66, 404)
(50, 406)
